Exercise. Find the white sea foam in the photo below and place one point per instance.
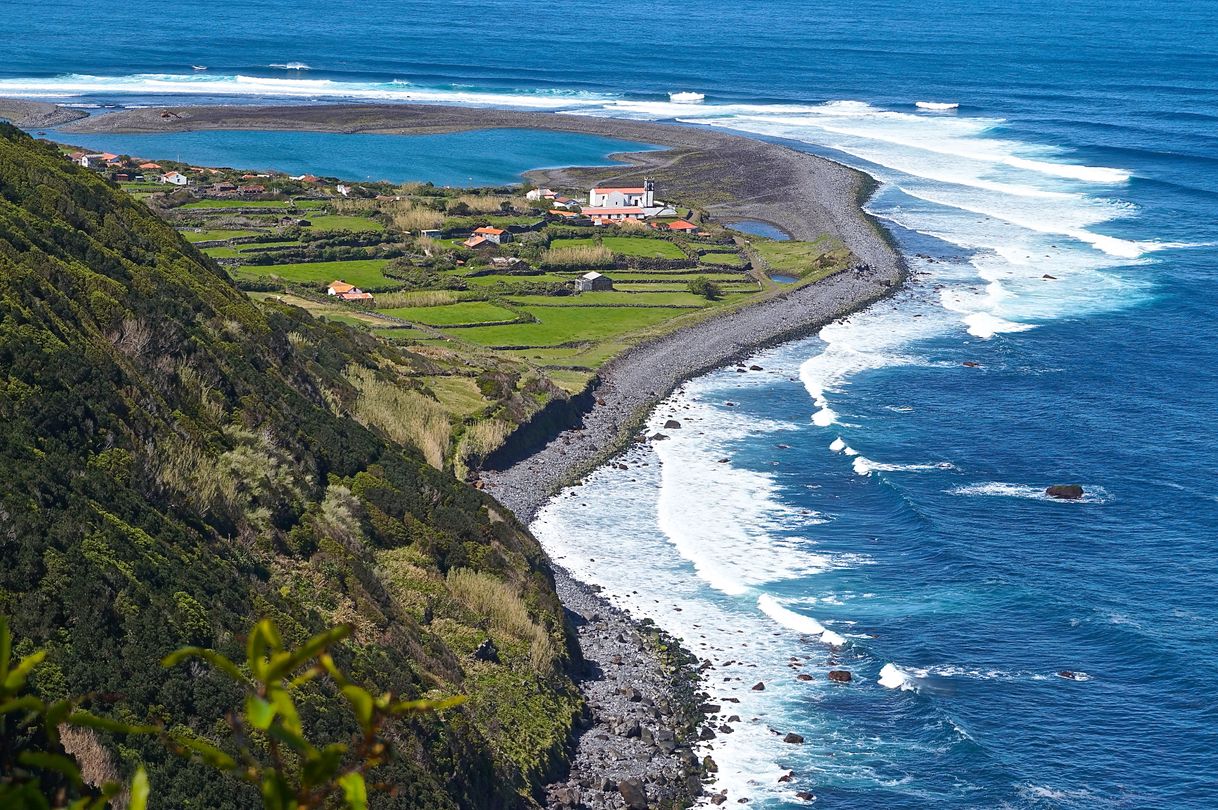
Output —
(1091, 494)
(893, 677)
(865, 466)
(936, 106)
(291, 66)
(686, 98)
(797, 621)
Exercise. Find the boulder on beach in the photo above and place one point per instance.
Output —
(1067, 492)
(633, 794)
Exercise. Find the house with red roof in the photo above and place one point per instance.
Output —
(496, 235)
(681, 226)
(607, 216)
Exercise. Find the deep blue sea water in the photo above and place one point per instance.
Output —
(481, 158)
(901, 531)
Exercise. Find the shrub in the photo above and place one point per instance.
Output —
(706, 288)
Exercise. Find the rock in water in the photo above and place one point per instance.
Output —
(1066, 492)
(633, 794)
(793, 739)
(840, 676)
(672, 424)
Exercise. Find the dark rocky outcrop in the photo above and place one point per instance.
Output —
(1065, 492)
(840, 676)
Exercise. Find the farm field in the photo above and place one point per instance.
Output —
(364, 273)
(214, 204)
(342, 222)
(211, 236)
(458, 314)
(615, 297)
(627, 246)
(558, 325)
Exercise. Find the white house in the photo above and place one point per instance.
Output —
(496, 235)
(175, 178)
(96, 161)
(343, 190)
(540, 194)
(623, 197)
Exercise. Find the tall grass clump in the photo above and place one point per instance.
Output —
(503, 606)
(405, 416)
(479, 441)
(407, 216)
(580, 256)
(417, 298)
(479, 204)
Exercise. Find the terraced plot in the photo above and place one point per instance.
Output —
(627, 246)
(214, 235)
(660, 298)
(459, 314)
(558, 325)
(364, 273)
(342, 222)
(220, 204)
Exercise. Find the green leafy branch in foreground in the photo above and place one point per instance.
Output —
(34, 779)
(299, 774)
(271, 748)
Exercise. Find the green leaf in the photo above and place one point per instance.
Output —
(411, 706)
(258, 712)
(6, 647)
(354, 791)
(209, 753)
(320, 768)
(295, 741)
(28, 703)
(16, 677)
(52, 762)
(139, 790)
(262, 638)
(210, 656)
(282, 665)
(286, 709)
(90, 720)
(361, 704)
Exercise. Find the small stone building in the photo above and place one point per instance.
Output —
(593, 282)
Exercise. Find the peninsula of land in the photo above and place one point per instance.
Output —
(730, 177)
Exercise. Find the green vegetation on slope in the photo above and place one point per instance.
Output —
(180, 460)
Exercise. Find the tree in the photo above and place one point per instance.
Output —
(706, 288)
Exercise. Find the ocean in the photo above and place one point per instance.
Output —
(872, 499)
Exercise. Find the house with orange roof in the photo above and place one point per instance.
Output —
(150, 165)
(496, 235)
(175, 179)
(338, 287)
(681, 226)
(477, 242)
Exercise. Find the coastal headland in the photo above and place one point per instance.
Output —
(638, 719)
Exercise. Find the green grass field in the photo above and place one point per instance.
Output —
(490, 281)
(222, 252)
(360, 272)
(214, 204)
(341, 222)
(627, 246)
(463, 312)
(799, 258)
(663, 298)
(558, 325)
(211, 236)
(683, 276)
(728, 259)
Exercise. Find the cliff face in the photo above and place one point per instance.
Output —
(178, 461)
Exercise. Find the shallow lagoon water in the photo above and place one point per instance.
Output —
(475, 158)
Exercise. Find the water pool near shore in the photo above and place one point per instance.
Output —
(485, 157)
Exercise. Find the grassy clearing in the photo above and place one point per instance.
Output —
(419, 298)
(585, 254)
(683, 276)
(344, 222)
(558, 325)
(459, 395)
(727, 259)
(623, 298)
(584, 357)
(312, 203)
(360, 272)
(213, 204)
(628, 246)
(466, 312)
(215, 235)
(803, 259)
(490, 281)
(569, 380)
(222, 252)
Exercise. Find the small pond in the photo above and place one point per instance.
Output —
(760, 229)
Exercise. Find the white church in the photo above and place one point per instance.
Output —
(614, 204)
